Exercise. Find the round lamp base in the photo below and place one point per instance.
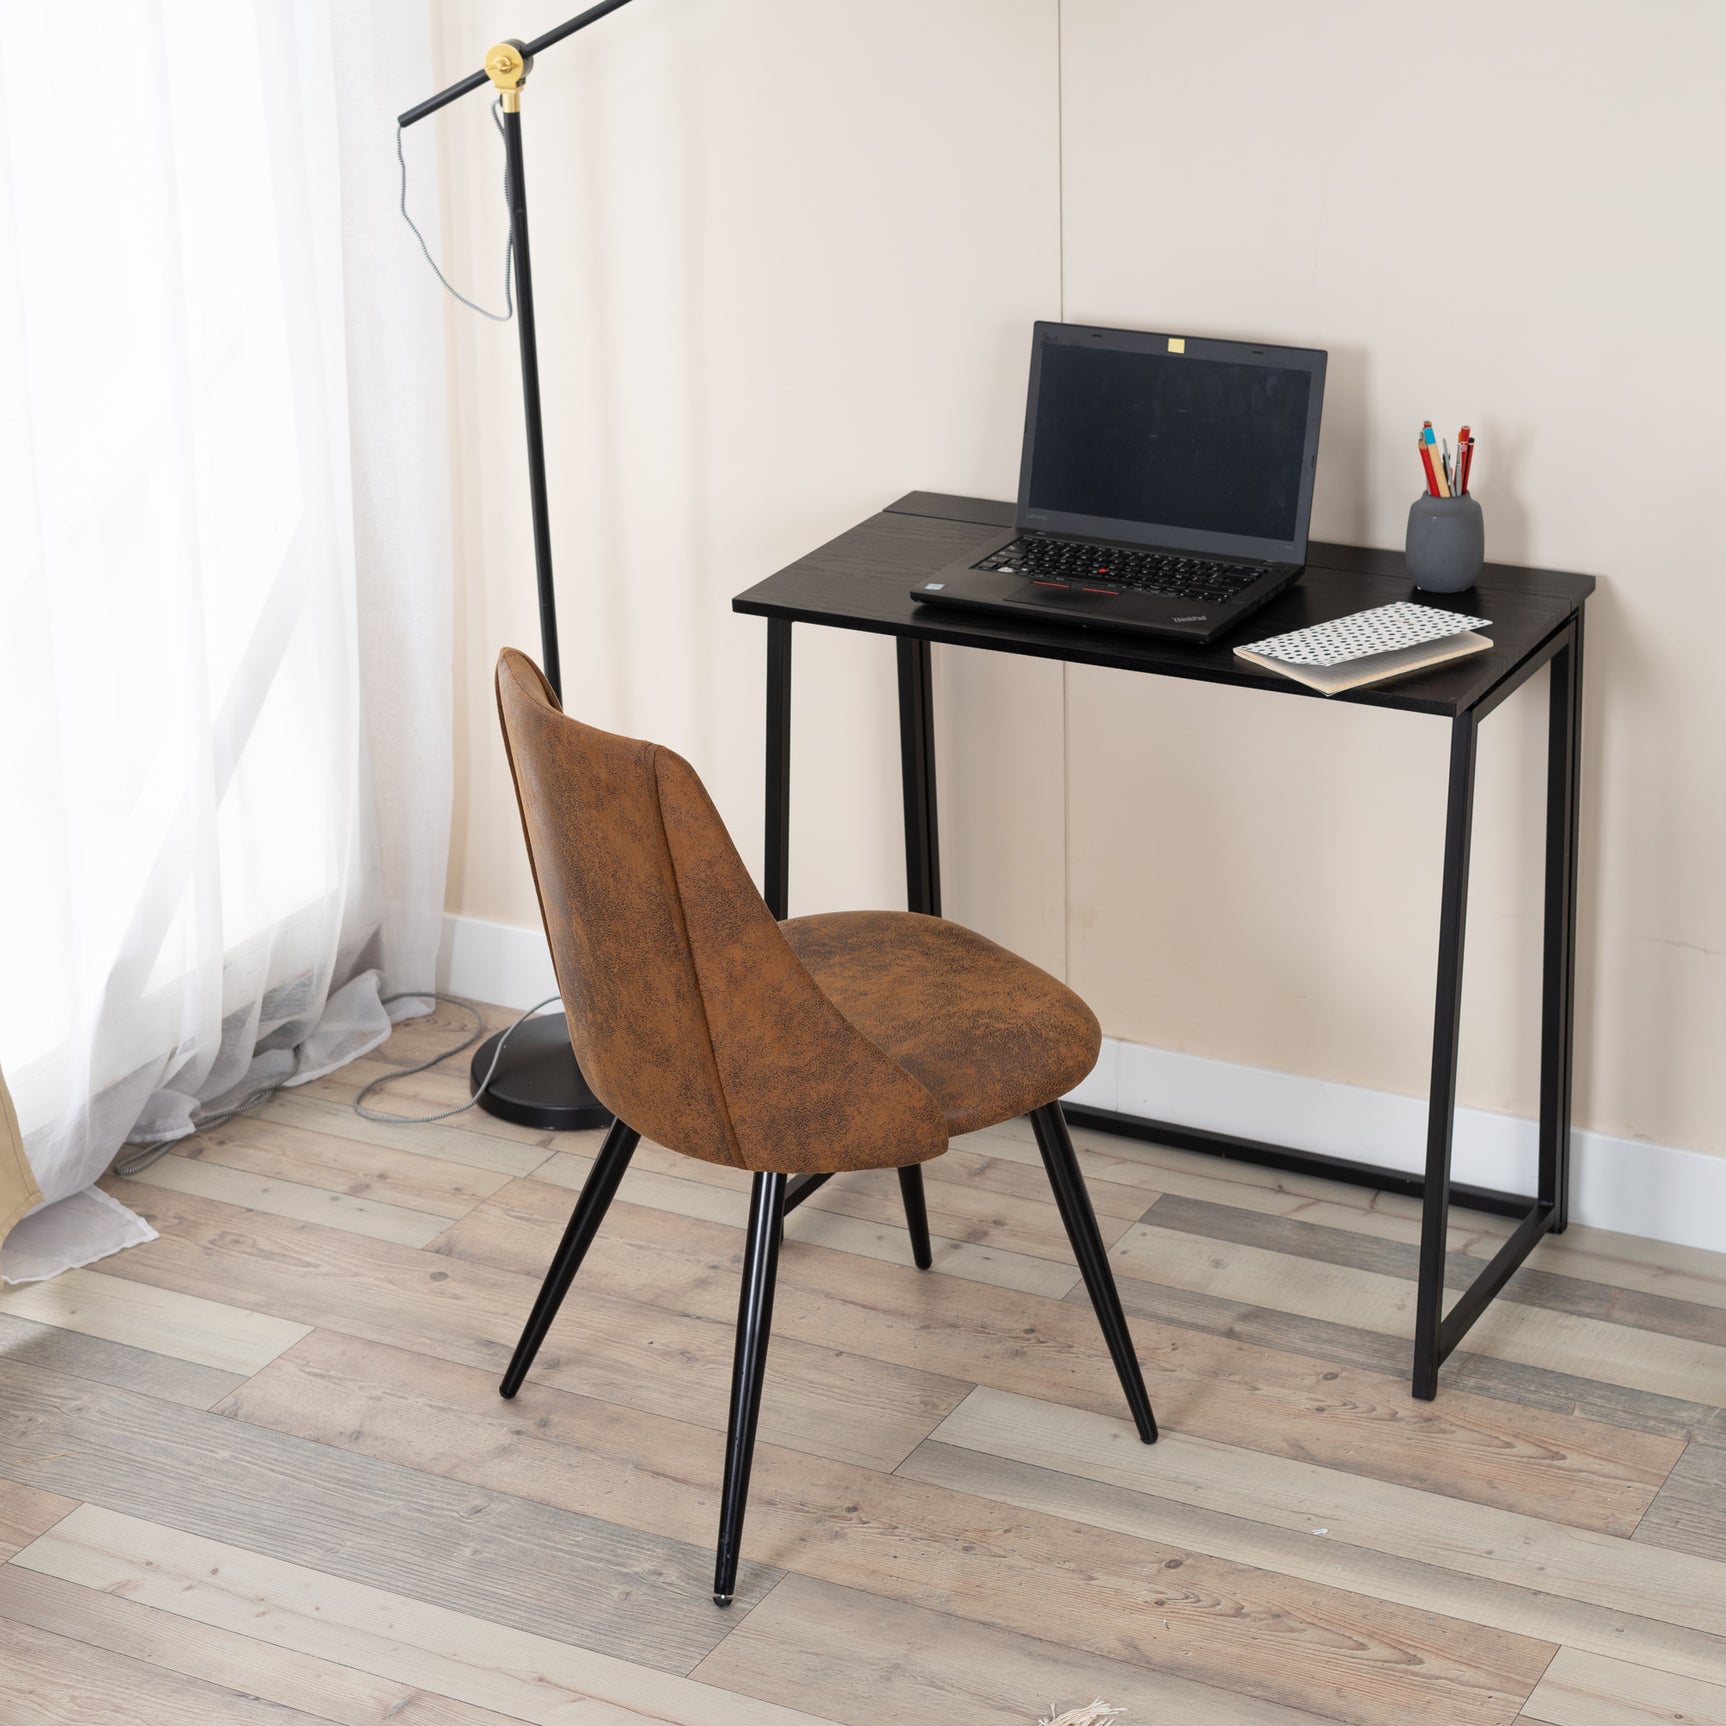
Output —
(537, 1082)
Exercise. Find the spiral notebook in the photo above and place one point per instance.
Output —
(1369, 646)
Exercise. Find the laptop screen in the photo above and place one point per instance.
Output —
(1171, 441)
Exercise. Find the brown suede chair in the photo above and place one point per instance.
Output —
(854, 1040)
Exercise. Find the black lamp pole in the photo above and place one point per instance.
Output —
(537, 1082)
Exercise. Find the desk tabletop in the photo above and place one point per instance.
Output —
(862, 580)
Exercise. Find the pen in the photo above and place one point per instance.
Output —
(1426, 462)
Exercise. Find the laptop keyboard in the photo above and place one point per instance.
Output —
(1112, 569)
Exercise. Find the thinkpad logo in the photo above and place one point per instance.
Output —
(1197, 617)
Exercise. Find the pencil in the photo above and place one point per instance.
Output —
(1440, 486)
(1426, 462)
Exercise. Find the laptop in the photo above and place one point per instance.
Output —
(1165, 485)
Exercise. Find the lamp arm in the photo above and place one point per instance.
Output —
(478, 80)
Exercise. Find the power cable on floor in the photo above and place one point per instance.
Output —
(145, 1155)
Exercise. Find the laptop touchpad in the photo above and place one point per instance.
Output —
(1061, 598)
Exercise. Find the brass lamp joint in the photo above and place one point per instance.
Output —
(507, 65)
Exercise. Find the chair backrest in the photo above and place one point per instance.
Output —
(691, 1017)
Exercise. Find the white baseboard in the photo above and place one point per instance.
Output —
(495, 962)
(1662, 1192)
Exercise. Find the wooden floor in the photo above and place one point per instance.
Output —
(258, 1471)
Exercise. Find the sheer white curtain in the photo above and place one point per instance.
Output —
(224, 572)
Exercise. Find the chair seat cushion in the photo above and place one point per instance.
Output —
(988, 1033)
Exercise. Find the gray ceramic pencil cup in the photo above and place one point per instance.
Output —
(1446, 543)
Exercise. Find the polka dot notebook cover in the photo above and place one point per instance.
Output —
(1381, 630)
(1369, 646)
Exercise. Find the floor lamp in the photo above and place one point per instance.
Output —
(537, 1082)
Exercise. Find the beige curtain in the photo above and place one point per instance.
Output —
(18, 1190)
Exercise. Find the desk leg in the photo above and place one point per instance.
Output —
(776, 855)
(1558, 979)
(917, 769)
(1446, 1025)
(922, 856)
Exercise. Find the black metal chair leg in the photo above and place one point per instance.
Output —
(597, 1192)
(1074, 1204)
(754, 1324)
(916, 1215)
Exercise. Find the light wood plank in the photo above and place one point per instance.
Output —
(727, 1201)
(1427, 1588)
(68, 1351)
(1591, 1690)
(866, 1660)
(48, 1680)
(959, 1186)
(394, 1175)
(977, 1213)
(975, 1160)
(420, 1095)
(1533, 1336)
(434, 1032)
(1473, 1539)
(238, 1664)
(26, 1512)
(431, 1092)
(581, 1578)
(372, 1630)
(828, 1398)
(887, 1242)
(1121, 1598)
(279, 1198)
(475, 1140)
(1474, 1447)
(197, 1328)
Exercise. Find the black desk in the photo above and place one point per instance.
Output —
(862, 580)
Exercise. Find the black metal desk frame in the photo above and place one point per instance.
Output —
(1547, 633)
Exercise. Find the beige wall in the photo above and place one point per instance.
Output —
(789, 252)
(1297, 178)
(786, 256)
